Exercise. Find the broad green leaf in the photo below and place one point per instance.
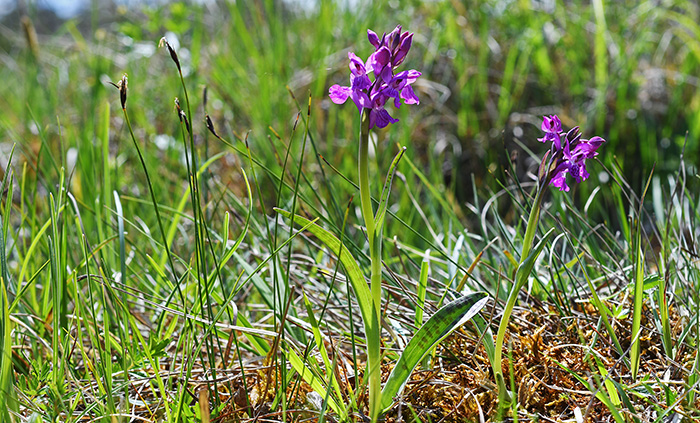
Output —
(437, 328)
(354, 273)
(484, 331)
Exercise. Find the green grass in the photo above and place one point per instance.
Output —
(128, 297)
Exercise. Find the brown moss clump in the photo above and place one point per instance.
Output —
(549, 362)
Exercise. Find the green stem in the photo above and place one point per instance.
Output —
(375, 248)
(528, 241)
(532, 221)
(363, 169)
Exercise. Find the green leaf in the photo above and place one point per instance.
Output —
(322, 349)
(421, 289)
(635, 348)
(7, 396)
(525, 268)
(384, 201)
(483, 330)
(437, 328)
(352, 269)
(315, 381)
(599, 393)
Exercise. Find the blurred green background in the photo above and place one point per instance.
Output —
(624, 70)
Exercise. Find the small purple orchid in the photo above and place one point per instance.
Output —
(565, 159)
(390, 52)
(552, 127)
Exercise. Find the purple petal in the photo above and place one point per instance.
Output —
(386, 75)
(575, 171)
(583, 172)
(551, 124)
(585, 149)
(357, 66)
(594, 142)
(556, 141)
(412, 75)
(360, 99)
(380, 118)
(391, 92)
(378, 99)
(567, 150)
(408, 96)
(403, 49)
(554, 137)
(360, 82)
(379, 59)
(339, 94)
(559, 180)
(373, 38)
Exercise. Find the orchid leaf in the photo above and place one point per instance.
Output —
(484, 331)
(525, 268)
(352, 269)
(438, 327)
(384, 200)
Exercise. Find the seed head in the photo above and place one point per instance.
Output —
(181, 114)
(210, 126)
(121, 86)
(173, 54)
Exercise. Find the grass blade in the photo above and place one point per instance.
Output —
(638, 304)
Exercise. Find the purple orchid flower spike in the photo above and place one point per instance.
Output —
(389, 52)
(567, 159)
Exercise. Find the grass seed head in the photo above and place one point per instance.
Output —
(173, 54)
(122, 90)
(210, 126)
(122, 87)
(30, 35)
(181, 114)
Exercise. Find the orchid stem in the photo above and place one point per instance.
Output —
(375, 248)
(503, 395)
